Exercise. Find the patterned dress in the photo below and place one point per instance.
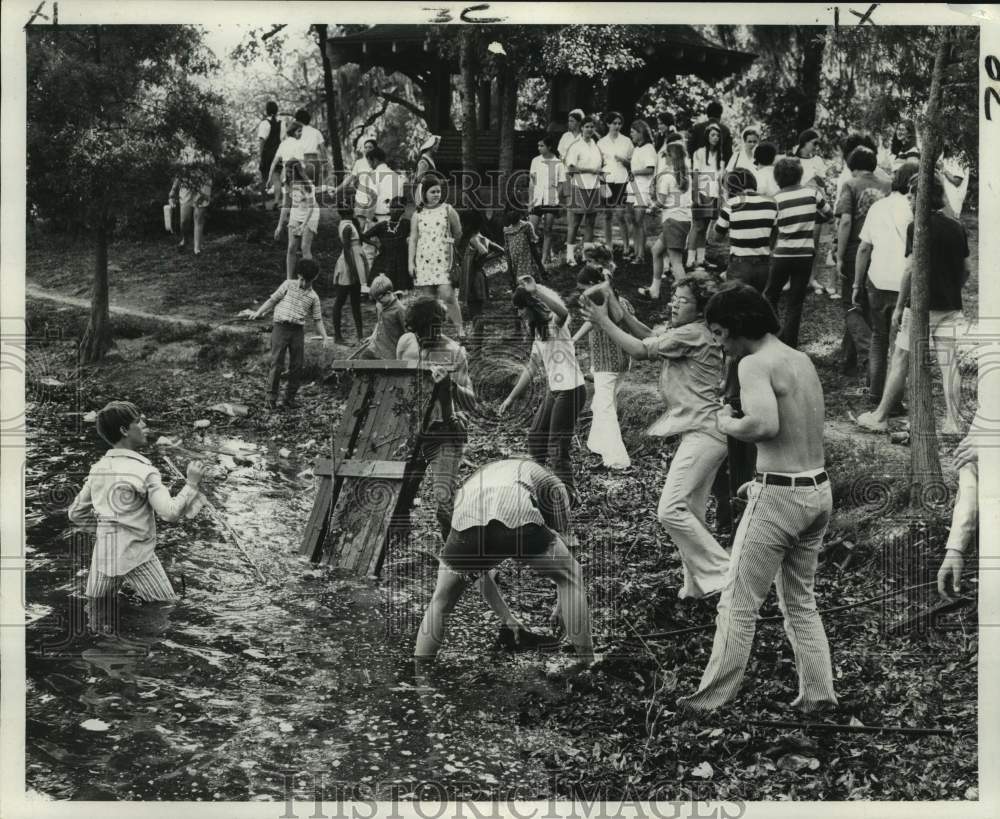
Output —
(435, 247)
(522, 258)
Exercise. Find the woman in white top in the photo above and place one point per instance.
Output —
(706, 167)
(640, 186)
(814, 176)
(551, 435)
(573, 122)
(673, 196)
(617, 151)
(743, 156)
(546, 184)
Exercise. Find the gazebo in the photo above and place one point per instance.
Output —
(410, 50)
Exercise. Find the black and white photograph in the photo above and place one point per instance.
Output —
(499, 409)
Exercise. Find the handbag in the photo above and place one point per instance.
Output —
(494, 262)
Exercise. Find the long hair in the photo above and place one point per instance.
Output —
(539, 314)
(643, 128)
(897, 145)
(808, 135)
(718, 147)
(677, 154)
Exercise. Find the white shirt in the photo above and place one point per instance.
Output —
(290, 148)
(588, 155)
(885, 230)
(361, 166)
(565, 141)
(388, 185)
(558, 356)
(677, 204)
(617, 155)
(264, 129)
(644, 157)
(812, 167)
(707, 173)
(312, 140)
(766, 186)
(546, 175)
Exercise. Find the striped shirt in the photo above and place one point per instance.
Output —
(751, 217)
(514, 492)
(295, 304)
(798, 209)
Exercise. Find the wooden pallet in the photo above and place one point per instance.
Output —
(366, 490)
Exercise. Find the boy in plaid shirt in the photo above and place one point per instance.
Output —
(293, 302)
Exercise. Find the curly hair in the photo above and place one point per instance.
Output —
(424, 317)
(701, 287)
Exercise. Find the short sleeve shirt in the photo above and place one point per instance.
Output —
(565, 141)
(264, 129)
(585, 154)
(312, 140)
(617, 157)
(515, 492)
(295, 304)
(558, 357)
(859, 194)
(676, 203)
(548, 174)
(290, 148)
(689, 379)
(885, 229)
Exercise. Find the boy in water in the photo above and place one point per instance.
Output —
(120, 500)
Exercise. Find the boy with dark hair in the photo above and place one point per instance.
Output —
(749, 218)
(270, 132)
(293, 302)
(857, 196)
(790, 503)
(799, 208)
(119, 502)
(713, 112)
(763, 157)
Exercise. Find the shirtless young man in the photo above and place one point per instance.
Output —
(789, 504)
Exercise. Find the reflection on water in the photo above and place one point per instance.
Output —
(243, 687)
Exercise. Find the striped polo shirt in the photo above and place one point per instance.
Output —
(798, 208)
(514, 492)
(294, 303)
(749, 218)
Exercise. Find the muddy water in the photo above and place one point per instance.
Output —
(246, 690)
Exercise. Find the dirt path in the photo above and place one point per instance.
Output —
(34, 292)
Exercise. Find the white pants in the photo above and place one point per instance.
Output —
(605, 437)
(682, 512)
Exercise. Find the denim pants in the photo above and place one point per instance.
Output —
(681, 512)
(881, 303)
(778, 541)
(605, 437)
(797, 270)
(292, 337)
(856, 342)
(550, 439)
(752, 270)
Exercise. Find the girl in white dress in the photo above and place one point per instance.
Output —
(435, 228)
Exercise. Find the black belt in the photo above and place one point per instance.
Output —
(777, 479)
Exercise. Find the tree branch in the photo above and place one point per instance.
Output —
(360, 129)
(389, 97)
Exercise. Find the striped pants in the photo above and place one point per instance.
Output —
(148, 580)
(778, 540)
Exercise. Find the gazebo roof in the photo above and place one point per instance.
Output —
(679, 49)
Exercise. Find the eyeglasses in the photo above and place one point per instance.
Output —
(681, 300)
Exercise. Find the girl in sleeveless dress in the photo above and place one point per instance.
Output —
(435, 228)
(350, 276)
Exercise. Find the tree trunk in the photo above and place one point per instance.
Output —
(508, 113)
(484, 104)
(810, 76)
(336, 151)
(925, 467)
(96, 339)
(467, 60)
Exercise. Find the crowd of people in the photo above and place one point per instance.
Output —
(744, 403)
